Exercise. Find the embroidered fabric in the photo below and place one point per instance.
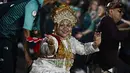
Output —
(56, 65)
(43, 65)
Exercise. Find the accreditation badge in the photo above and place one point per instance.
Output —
(34, 13)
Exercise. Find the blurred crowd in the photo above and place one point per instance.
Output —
(22, 19)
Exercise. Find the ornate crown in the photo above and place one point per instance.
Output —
(63, 12)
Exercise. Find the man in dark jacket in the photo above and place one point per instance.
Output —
(111, 36)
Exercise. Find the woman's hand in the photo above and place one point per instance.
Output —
(97, 39)
(50, 42)
(49, 39)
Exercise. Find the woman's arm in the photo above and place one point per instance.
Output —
(126, 21)
(124, 26)
(87, 31)
(87, 48)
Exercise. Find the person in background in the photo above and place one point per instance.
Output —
(108, 58)
(124, 53)
(92, 10)
(32, 23)
(11, 31)
(85, 21)
(89, 17)
(93, 27)
(57, 50)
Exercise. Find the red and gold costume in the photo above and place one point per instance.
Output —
(64, 49)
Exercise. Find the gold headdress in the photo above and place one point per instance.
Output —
(64, 12)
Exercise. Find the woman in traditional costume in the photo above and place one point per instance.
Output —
(57, 52)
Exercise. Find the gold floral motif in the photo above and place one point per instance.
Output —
(64, 12)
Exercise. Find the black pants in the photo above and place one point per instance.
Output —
(8, 53)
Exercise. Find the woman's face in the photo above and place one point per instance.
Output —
(64, 28)
(94, 5)
(101, 11)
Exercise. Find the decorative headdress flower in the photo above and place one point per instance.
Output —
(64, 12)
